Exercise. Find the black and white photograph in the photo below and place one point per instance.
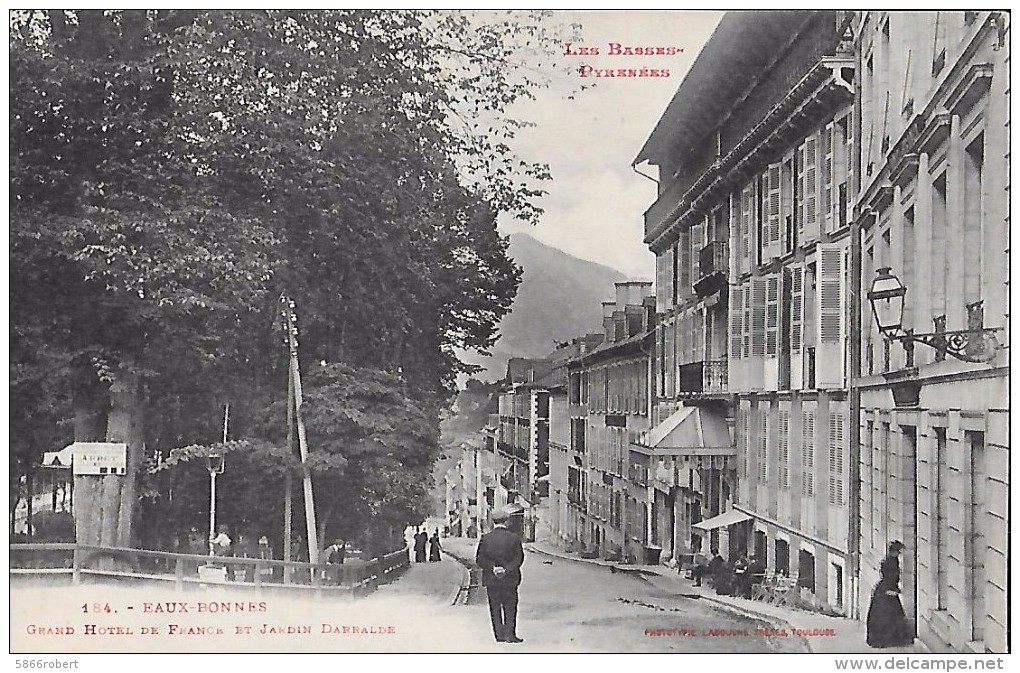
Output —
(496, 332)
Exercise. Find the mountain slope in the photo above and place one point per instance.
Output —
(560, 297)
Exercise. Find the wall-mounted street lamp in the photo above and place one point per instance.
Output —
(975, 344)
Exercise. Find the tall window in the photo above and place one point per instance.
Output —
(976, 542)
(870, 104)
(869, 446)
(941, 537)
(763, 444)
(937, 289)
(886, 480)
(909, 264)
(884, 85)
(972, 184)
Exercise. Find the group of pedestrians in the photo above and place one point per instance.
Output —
(734, 579)
(423, 543)
(887, 624)
(222, 546)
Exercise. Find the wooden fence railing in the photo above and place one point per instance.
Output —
(90, 563)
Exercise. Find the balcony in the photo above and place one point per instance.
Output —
(638, 475)
(709, 377)
(713, 266)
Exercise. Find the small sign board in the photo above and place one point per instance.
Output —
(58, 459)
(102, 458)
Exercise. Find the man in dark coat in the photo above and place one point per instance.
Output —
(334, 557)
(500, 556)
(421, 539)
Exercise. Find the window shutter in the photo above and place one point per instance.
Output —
(742, 444)
(736, 311)
(836, 496)
(682, 334)
(748, 228)
(660, 281)
(670, 359)
(755, 369)
(828, 150)
(668, 280)
(798, 194)
(829, 357)
(758, 311)
(772, 315)
(796, 326)
(747, 319)
(763, 445)
(697, 243)
(784, 449)
(736, 340)
(848, 167)
(736, 233)
(699, 335)
(771, 365)
(684, 264)
(772, 224)
(808, 455)
(811, 210)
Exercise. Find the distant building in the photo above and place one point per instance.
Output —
(610, 404)
(564, 501)
(531, 390)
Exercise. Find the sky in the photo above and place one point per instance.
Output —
(595, 203)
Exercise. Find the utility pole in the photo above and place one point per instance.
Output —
(288, 493)
(479, 502)
(295, 378)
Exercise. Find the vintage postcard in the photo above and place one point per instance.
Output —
(448, 331)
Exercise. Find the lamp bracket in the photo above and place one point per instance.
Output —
(973, 345)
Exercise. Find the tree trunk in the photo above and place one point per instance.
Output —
(89, 422)
(29, 487)
(125, 425)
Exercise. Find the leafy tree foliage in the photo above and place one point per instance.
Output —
(172, 172)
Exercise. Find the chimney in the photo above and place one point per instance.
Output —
(649, 304)
(632, 292)
(620, 320)
(607, 320)
(635, 319)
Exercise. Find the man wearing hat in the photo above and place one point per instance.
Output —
(500, 556)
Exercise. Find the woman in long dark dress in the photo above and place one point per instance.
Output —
(887, 623)
(434, 547)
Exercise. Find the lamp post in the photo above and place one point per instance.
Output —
(215, 465)
(975, 344)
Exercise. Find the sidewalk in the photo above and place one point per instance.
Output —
(821, 633)
(462, 550)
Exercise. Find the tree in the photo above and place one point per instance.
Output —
(126, 259)
(172, 172)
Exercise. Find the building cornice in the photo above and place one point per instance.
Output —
(822, 91)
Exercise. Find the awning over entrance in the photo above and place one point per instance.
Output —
(727, 518)
(690, 431)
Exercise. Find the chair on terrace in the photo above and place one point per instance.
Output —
(784, 591)
(763, 590)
